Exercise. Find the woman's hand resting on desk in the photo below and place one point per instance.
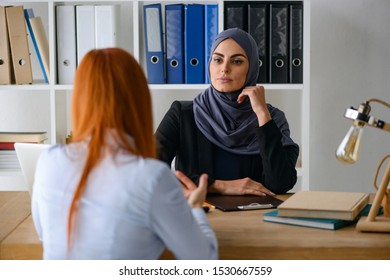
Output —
(239, 187)
(195, 195)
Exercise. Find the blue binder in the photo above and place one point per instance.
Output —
(174, 32)
(210, 32)
(154, 49)
(29, 13)
(194, 43)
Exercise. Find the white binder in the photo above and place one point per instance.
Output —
(85, 27)
(106, 25)
(66, 43)
(42, 43)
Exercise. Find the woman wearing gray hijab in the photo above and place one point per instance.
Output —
(229, 131)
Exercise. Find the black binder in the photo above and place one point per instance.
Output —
(258, 28)
(279, 45)
(296, 43)
(236, 15)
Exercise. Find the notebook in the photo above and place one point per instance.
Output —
(324, 204)
(331, 224)
(28, 154)
(242, 202)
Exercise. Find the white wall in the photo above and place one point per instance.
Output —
(350, 62)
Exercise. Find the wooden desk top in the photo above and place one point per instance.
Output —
(244, 235)
(241, 235)
(17, 231)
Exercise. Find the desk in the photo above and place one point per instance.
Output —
(241, 235)
(18, 239)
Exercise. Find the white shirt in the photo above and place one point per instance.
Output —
(132, 208)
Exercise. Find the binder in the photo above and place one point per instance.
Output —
(194, 43)
(5, 53)
(19, 45)
(42, 43)
(258, 28)
(66, 43)
(279, 43)
(154, 50)
(210, 32)
(236, 15)
(85, 30)
(39, 40)
(106, 26)
(296, 43)
(174, 32)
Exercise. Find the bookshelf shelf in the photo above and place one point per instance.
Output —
(293, 99)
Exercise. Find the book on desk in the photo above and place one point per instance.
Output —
(324, 204)
(330, 224)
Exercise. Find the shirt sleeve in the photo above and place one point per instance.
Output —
(185, 232)
(168, 134)
(278, 159)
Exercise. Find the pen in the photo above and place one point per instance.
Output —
(208, 205)
(255, 206)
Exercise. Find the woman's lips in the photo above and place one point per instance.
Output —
(224, 79)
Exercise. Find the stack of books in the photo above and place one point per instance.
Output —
(324, 210)
(8, 158)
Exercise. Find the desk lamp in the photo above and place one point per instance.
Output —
(348, 153)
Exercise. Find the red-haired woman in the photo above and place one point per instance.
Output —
(105, 196)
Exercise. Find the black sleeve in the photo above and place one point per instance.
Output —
(168, 134)
(279, 161)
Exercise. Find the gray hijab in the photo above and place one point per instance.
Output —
(224, 122)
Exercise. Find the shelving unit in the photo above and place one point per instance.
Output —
(293, 99)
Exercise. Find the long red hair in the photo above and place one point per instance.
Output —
(110, 92)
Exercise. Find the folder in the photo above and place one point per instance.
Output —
(174, 32)
(258, 28)
(19, 45)
(194, 43)
(236, 15)
(66, 43)
(296, 43)
(39, 40)
(85, 30)
(210, 32)
(5, 53)
(154, 50)
(242, 202)
(279, 43)
(106, 25)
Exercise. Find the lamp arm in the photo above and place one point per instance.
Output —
(381, 192)
(378, 101)
(374, 122)
(354, 114)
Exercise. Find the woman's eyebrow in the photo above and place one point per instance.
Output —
(234, 55)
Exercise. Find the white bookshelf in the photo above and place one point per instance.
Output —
(46, 107)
